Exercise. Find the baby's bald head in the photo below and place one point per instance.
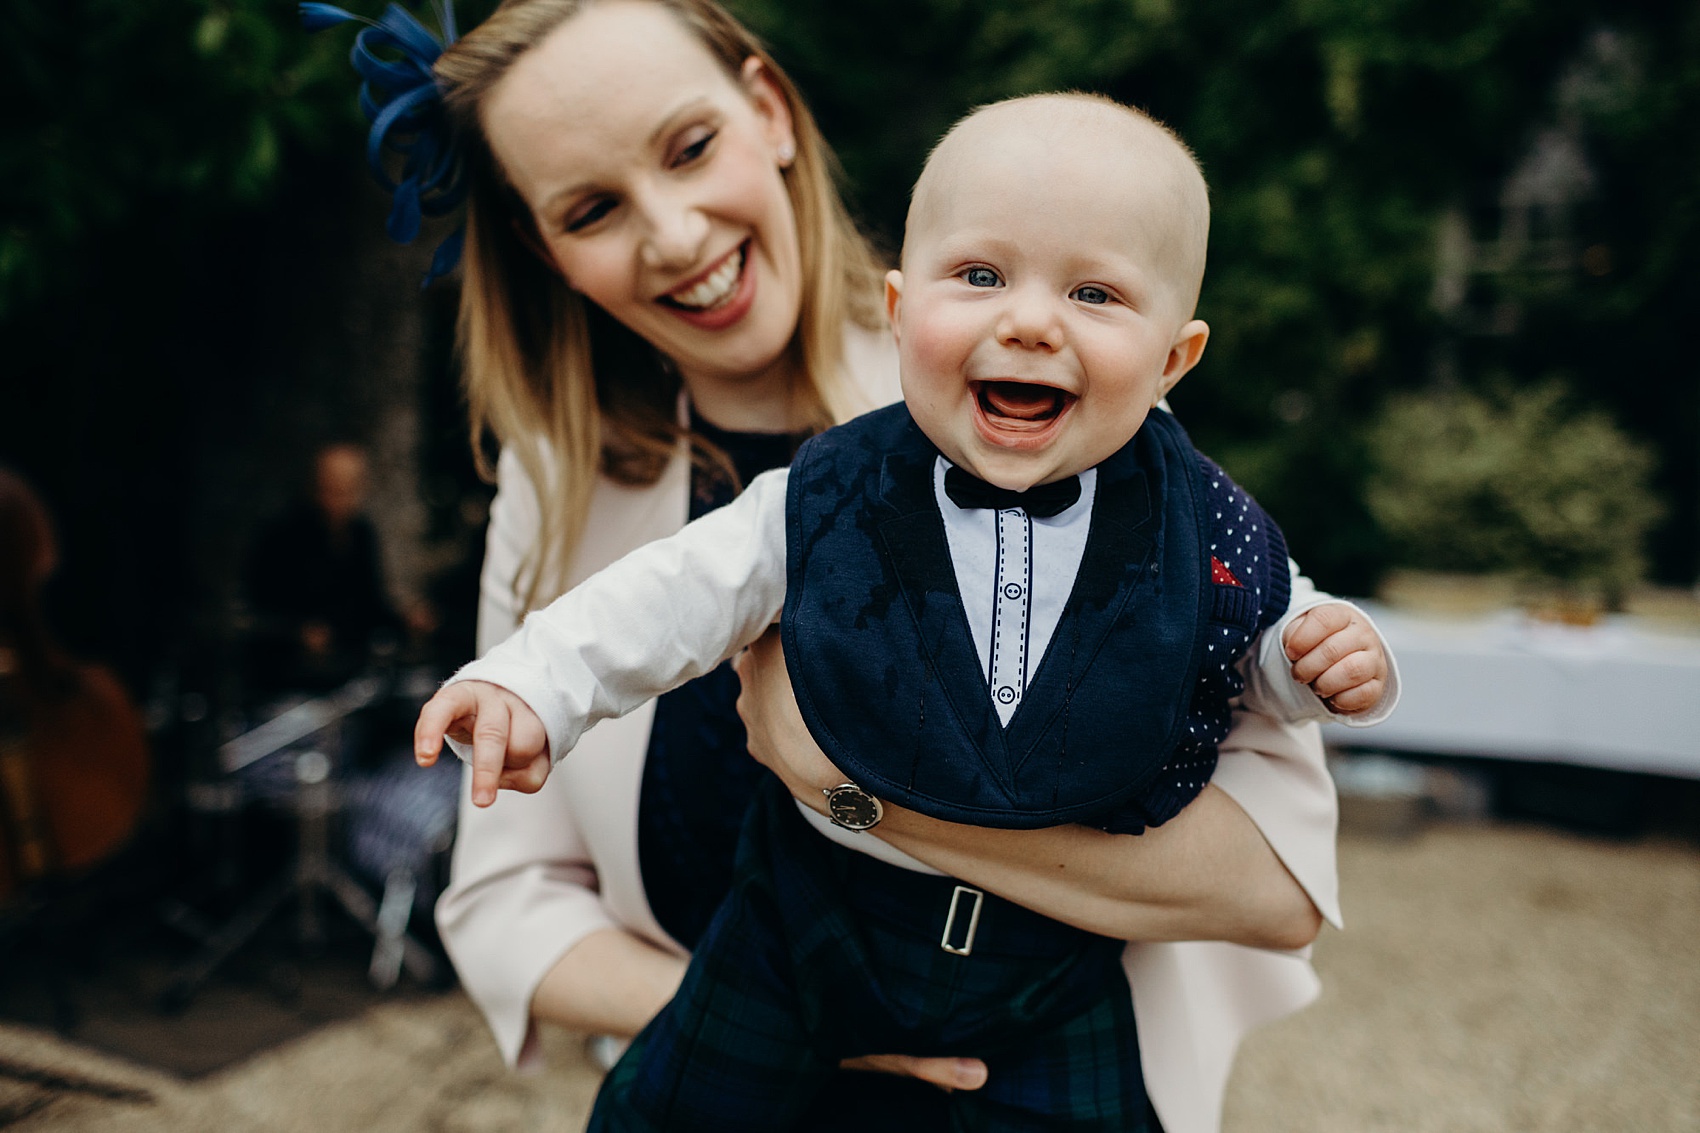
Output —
(1085, 145)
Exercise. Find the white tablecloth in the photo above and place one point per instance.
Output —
(1618, 695)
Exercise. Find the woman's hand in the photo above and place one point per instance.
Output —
(614, 983)
(945, 1073)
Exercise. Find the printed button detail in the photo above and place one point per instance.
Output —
(1006, 673)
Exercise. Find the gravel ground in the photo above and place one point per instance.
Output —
(1492, 977)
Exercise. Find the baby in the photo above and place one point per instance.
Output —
(1018, 599)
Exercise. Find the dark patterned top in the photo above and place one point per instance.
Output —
(698, 777)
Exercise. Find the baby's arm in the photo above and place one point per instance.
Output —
(669, 611)
(1324, 660)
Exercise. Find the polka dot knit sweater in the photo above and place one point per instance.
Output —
(1250, 588)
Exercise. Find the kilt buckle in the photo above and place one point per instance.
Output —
(947, 942)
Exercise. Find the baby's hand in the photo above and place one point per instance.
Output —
(509, 746)
(1336, 651)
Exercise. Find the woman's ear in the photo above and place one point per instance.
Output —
(527, 236)
(772, 109)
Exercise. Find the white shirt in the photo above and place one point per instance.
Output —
(1014, 573)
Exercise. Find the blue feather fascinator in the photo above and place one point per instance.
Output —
(393, 56)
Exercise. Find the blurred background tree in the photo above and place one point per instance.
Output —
(170, 116)
(187, 295)
(1519, 483)
(1408, 196)
(1364, 158)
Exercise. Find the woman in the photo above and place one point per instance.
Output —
(662, 296)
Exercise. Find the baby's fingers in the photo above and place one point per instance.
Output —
(1355, 684)
(1333, 649)
(526, 778)
(1311, 628)
(450, 710)
(489, 750)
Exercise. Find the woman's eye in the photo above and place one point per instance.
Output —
(589, 215)
(695, 150)
(980, 277)
(1093, 295)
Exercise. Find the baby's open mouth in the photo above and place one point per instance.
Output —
(1020, 404)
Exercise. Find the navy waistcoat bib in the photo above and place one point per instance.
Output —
(884, 665)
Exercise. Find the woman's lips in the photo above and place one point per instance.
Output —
(718, 297)
(1019, 414)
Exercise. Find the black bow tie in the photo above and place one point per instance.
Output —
(1042, 501)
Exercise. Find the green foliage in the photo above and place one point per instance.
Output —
(154, 115)
(1336, 134)
(1517, 484)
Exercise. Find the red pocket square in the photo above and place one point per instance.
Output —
(1221, 575)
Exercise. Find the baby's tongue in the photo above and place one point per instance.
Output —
(1020, 399)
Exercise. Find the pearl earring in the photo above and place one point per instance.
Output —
(787, 154)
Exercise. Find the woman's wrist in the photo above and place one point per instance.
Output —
(610, 983)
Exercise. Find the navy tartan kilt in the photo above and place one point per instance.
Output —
(812, 958)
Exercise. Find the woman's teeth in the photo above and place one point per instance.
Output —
(716, 289)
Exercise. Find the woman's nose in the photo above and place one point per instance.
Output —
(675, 231)
(1030, 318)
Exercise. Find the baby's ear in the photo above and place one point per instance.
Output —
(894, 301)
(1188, 348)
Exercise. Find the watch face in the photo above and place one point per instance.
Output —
(852, 807)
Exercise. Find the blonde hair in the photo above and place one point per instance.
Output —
(558, 382)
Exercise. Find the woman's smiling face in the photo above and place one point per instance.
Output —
(654, 182)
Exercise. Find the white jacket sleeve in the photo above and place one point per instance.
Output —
(1196, 1000)
(522, 889)
(667, 612)
(1269, 685)
(522, 892)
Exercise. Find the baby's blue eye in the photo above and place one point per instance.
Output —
(1094, 295)
(981, 277)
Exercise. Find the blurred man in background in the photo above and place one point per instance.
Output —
(315, 586)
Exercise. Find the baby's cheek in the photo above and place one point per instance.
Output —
(932, 365)
(933, 351)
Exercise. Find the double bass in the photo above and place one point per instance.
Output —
(73, 780)
(74, 763)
